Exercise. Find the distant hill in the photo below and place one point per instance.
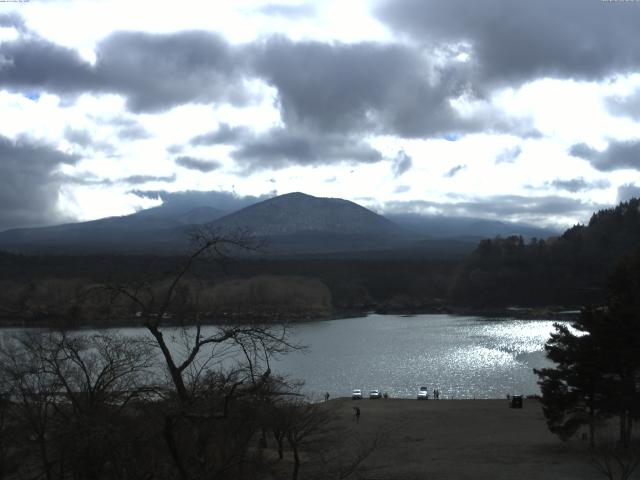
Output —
(467, 227)
(292, 224)
(571, 269)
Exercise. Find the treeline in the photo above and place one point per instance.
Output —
(182, 401)
(39, 290)
(568, 270)
(595, 380)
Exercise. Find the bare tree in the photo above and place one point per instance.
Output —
(615, 462)
(68, 395)
(218, 374)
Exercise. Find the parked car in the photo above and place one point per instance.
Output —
(356, 394)
(423, 393)
(375, 393)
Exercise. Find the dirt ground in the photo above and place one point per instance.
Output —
(463, 439)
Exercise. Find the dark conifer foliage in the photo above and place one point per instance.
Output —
(597, 373)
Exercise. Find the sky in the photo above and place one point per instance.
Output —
(503, 109)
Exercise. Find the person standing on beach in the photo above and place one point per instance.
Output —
(357, 414)
(326, 397)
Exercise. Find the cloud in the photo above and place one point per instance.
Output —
(84, 139)
(141, 179)
(369, 87)
(536, 210)
(402, 189)
(618, 155)
(513, 42)
(87, 178)
(199, 164)
(401, 164)
(628, 106)
(288, 11)
(174, 149)
(454, 171)
(628, 191)
(222, 200)
(579, 184)
(129, 129)
(30, 187)
(280, 148)
(12, 20)
(509, 155)
(327, 87)
(225, 134)
(35, 63)
(154, 72)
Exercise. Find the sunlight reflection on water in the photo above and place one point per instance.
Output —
(465, 357)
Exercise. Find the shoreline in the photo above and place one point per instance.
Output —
(511, 313)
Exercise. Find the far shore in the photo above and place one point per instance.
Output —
(519, 313)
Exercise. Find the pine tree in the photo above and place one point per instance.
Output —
(597, 372)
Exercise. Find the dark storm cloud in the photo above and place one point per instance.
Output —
(628, 191)
(325, 87)
(35, 63)
(280, 148)
(30, 186)
(618, 155)
(224, 134)
(579, 184)
(509, 207)
(226, 201)
(401, 164)
(372, 87)
(159, 71)
(454, 171)
(289, 11)
(199, 164)
(515, 41)
(153, 71)
(509, 155)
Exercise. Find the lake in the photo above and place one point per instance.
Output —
(462, 356)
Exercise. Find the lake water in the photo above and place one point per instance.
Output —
(464, 357)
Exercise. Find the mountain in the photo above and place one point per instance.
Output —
(155, 230)
(295, 213)
(293, 223)
(467, 227)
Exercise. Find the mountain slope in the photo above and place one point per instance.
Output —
(298, 213)
(571, 269)
(448, 227)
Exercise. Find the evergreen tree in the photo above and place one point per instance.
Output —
(597, 372)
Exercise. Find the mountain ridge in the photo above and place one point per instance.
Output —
(294, 223)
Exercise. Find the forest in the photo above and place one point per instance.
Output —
(563, 272)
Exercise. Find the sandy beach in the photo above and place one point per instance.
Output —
(464, 439)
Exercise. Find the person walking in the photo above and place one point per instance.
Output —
(357, 414)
